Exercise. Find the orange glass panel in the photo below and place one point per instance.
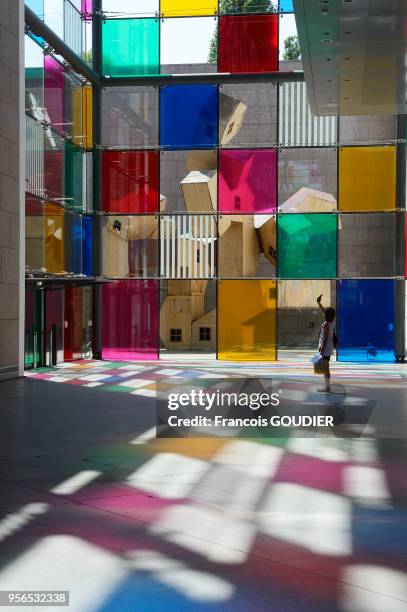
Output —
(247, 320)
(367, 178)
(54, 239)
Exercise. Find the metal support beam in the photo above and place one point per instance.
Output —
(400, 248)
(39, 28)
(215, 78)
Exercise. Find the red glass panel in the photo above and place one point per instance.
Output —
(248, 43)
(130, 320)
(130, 181)
(73, 323)
(247, 180)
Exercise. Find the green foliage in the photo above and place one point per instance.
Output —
(239, 6)
(292, 49)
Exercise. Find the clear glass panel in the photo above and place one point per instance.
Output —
(73, 243)
(130, 181)
(54, 94)
(367, 245)
(124, 8)
(248, 180)
(367, 178)
(73, 27)
(54, 239)
(188, 116)
(34, 234)
(187, 316)
(248, 43)
(299, 317)
(307, 180)
(188, 181)
(247, 6)
(130, 246)
(247, 246)
(34, 79)
(37, 6)
(130, 117)
(54, 16)
(54, 166)
(297, 127)
(178, 8)
(367, 129)
(289, 46)
(130, 47)
(75, 179)
(87, 245)
(188, 246)
(130, 320)
(307, 245)
(248, 115)
(34, 156)
(193, 55)
(247, 320)
(366, 320)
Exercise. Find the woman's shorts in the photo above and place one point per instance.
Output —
(326, 358)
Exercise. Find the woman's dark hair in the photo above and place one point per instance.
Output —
(330, 314)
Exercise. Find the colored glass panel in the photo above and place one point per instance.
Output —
(248, 43)
(307, 246)
(130, 47)
(73, 242)
(34, 234)
(87, 246)
(248, 115)
(54, 324)
(188, 181)
(286, 6)
(366, 320)
(130, 246)
(54, 239)
(367, 178)
(130, 320)
(367, 245)
(176, 58)
(73, 323)
(130, 116)
(177, 8)
(248, 181)
(87, 9)
(247, 320)
(130, 181)
(74, 176)
(37, 6)
(54, 94)
(188, 116)
(87, 117)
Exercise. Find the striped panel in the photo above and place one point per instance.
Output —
(73, 26)
(187, 246)
(297, 127)
(34, 156)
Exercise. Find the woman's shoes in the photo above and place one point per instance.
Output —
(324, 390)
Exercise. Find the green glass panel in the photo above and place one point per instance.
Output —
(130, 47)
(74, 175)
(306, 246)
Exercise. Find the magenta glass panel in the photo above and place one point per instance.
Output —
(248, 180)
(130, 320)
(54, 93)
(87, 9)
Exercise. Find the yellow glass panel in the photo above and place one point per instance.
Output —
(176, 8)
(87, 116)
(54, 239)
(247, 320)
(367, 178)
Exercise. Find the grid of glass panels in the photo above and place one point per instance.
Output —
(234, 190)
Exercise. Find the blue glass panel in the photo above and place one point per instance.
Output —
(286, 6)
(37, 6)
(366, 320)
(188, 116)
(76, 245)
(87, 245)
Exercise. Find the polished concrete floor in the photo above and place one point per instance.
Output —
(93, 503)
